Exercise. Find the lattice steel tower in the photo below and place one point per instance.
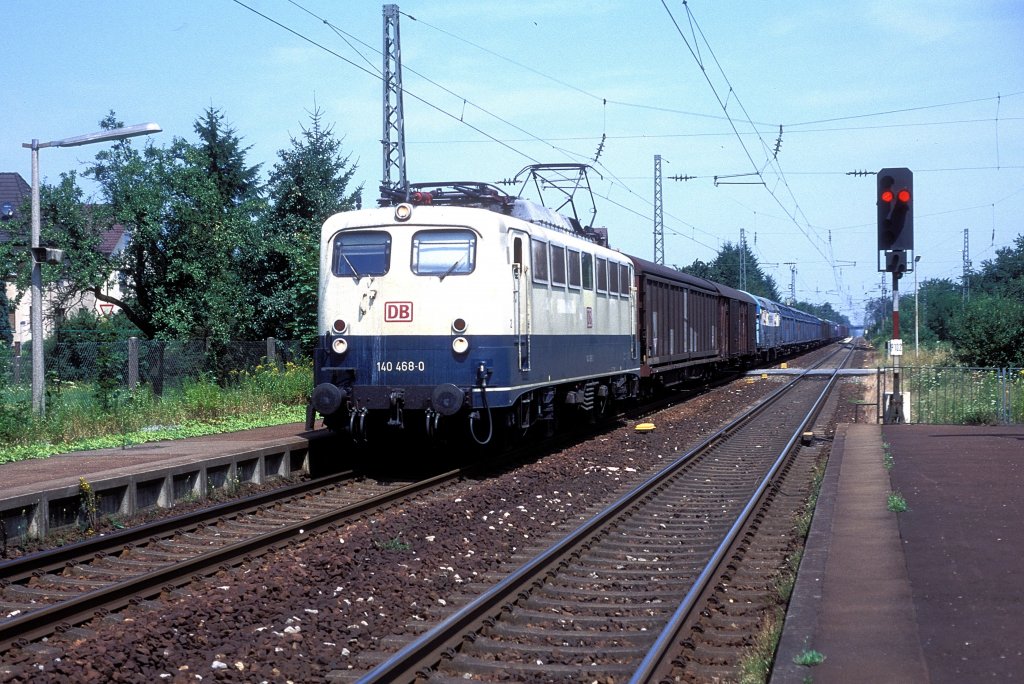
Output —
(659, 217)
(393, 140)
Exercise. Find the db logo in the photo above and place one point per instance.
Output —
(398, 312)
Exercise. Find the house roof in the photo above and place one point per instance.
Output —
(13, 192)
(113, 240)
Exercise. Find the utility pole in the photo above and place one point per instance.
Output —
(659, 218)
(792, 281)
(967, 269)
(393, 140)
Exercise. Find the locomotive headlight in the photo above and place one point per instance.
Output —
(459, 326)
(340, 327)
(403, 211)
(460, 345)
(339, 345)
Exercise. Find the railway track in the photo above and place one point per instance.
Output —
(603, 603)
(52, 590)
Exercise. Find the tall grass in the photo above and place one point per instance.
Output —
(79, 416)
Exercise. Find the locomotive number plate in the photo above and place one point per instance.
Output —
(407, 366)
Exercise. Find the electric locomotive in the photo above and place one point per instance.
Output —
(460, 309)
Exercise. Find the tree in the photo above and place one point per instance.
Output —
(178, 275)
(728, 267)
(987, 333)
(225, 160)
(1004, 275)
(6, 334)
(308, 184)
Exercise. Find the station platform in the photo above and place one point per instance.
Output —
(932, 594)
(38, 496)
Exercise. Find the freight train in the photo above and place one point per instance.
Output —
(456, 308)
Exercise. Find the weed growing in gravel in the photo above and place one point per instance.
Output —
(786, 579)
(756, 664)
(896, 503)
(89, 505)
(803, 522)
(394, 544)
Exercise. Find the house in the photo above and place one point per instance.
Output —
(15, 194)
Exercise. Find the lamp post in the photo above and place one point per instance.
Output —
(917, 318)
(40, 255)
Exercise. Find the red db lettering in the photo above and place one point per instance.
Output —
(398, 312)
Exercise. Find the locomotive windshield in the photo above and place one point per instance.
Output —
(443, 252)
(366, 253)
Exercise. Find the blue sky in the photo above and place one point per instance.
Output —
(936, 86)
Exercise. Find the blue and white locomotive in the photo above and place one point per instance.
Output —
(467, 306)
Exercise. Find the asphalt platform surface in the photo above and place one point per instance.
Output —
(932, 594)
(24, 477)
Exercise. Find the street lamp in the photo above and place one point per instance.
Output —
(40, 255)
(917, 355)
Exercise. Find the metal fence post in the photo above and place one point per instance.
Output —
(272, 351)
(17, 363)
(1004, 395)
(133, 363)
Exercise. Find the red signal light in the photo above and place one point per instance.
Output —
(887, 195)
(903, 195)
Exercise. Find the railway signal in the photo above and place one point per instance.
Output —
(895, 200)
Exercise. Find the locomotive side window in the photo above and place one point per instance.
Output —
(574, 269)
(443, 252)
(540, 261)
(557, 265)
(613, 278)
(624, 279)
(602, 275)
(366, 253)
(588, 271)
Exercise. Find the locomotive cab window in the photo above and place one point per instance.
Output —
(443, 252)
(540, 261)
(557, 265)
(366, 253)
(624, 279)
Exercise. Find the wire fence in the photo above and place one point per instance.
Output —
(957, 396)
(158, 364)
